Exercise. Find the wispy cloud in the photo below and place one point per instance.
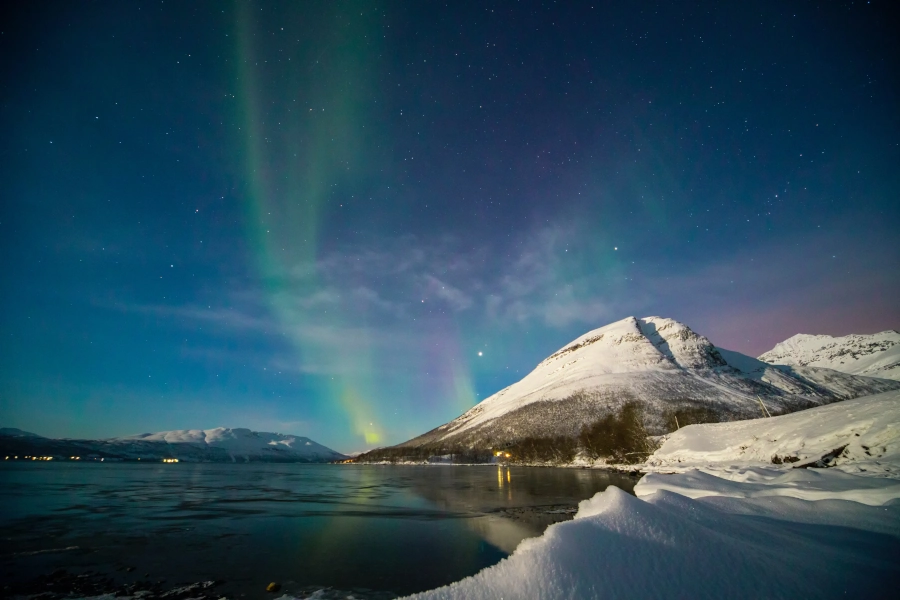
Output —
(391, 281)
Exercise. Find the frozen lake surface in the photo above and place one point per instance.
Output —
(379, 530)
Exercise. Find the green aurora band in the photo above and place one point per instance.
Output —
(303, 124)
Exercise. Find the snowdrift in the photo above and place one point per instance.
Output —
(856, 436)
(670, 546)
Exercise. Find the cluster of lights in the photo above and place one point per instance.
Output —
(170, 460)
(39, 457)
(501, 453)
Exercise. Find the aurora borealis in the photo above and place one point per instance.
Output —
(352, 220)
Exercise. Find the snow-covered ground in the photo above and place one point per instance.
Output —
(857, 436)
(667, 545)
(736, 528)
(875, 355)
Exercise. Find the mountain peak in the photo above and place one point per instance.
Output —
(657, 362)
(872, 355)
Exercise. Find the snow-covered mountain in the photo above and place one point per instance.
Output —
(210, 445)
(659, 363)
(15, 432)
(875, 355)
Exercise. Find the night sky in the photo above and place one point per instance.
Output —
(352, 221)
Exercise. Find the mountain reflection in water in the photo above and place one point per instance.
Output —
(396, 529)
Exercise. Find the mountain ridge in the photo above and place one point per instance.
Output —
(658, 363)
(221, 444)
(871, 355)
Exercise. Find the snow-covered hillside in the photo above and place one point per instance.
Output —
(210, 445)
(875, 355)
(859, 436)
(661, 364)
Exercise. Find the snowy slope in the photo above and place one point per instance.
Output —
(657, 362)
(876, 355)
(862, 434)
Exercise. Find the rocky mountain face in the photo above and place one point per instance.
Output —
(875, 355)
(658, 364)
(194, 445)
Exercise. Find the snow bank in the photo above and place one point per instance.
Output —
(668, 545)
(743, 531)
(855, 436)
(805, 484)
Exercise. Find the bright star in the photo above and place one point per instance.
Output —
(479, 353)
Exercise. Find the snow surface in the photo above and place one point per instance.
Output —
(865, 432)
(875, 355)
(667, 545)
(730, 532)
(759, 482)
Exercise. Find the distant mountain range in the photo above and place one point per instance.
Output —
(875, 355)
(194, 445)
(658, 364)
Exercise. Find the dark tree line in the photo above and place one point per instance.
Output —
(558, 449)
(619, 437)
(690, 415)
(423, 453)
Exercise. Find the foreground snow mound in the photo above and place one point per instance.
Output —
(856, 436)
(875, 355)
(670, 546)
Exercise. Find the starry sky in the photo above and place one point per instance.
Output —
(354, 220)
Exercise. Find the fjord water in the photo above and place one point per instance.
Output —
(397, 529)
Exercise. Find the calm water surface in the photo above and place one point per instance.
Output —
(398, 529)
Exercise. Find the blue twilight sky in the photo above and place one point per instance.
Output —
(353, 220)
